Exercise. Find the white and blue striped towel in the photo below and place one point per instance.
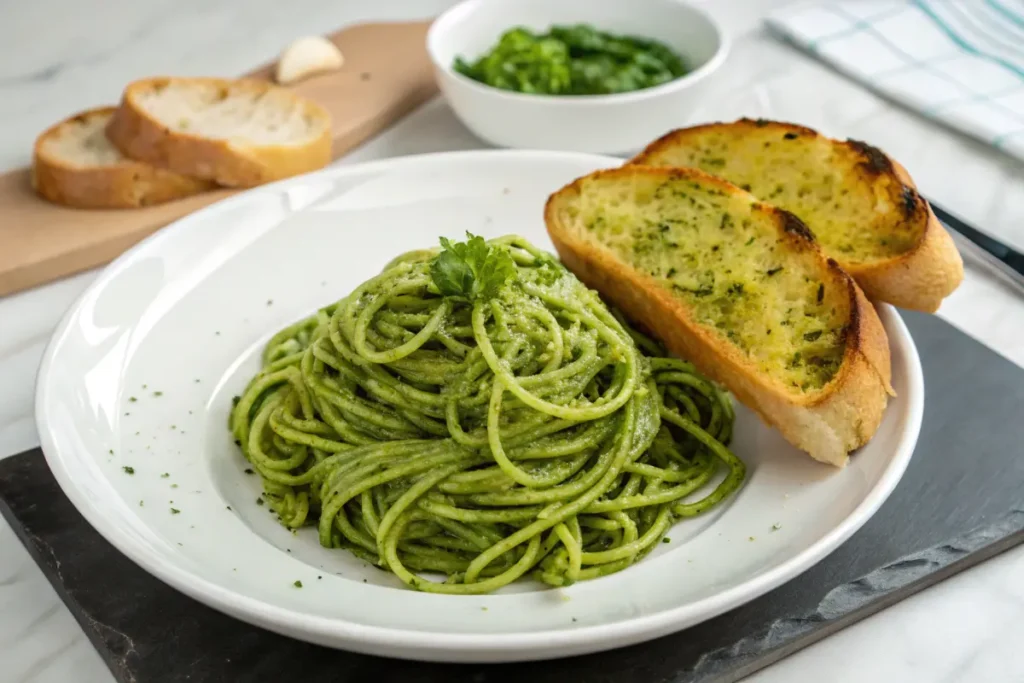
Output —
(958, 61)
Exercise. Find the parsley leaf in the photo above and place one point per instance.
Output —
(497, 269)
(451, 273)
(472, 269)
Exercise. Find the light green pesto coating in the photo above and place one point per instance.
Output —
(531, 433)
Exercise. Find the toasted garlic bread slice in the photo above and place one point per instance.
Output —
(737, 287)
(74, 164)
(861, 205)
(238, 133)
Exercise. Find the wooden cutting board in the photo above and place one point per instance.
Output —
(386, 74)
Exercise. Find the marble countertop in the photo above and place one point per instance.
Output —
(59, 56)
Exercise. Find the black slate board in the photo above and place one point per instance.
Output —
(960, 502)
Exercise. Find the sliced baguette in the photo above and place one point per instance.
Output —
(737, 287)
(862, 206)
(238, 133)
(74, 164)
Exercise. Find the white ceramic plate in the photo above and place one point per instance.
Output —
(141, 372)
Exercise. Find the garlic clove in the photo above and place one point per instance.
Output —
(308, 56)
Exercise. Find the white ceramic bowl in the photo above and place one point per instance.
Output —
(610, 124)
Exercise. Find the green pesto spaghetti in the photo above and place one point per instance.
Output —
(475, 412)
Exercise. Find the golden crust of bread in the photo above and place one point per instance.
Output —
(828, 423)
(140, 136)
(917, 279)
(123, 185)
(921, 278)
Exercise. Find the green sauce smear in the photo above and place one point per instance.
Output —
(573, 60)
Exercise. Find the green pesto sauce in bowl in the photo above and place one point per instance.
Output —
(573, 60)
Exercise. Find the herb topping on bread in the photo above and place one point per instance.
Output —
(739, 288)
(860, 205)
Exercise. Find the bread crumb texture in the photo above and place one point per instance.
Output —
(729, 265)
(247, 115)
(846, 192)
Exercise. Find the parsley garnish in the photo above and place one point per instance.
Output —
(472, 269)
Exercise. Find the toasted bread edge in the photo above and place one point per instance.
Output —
(140, 136)
(126, 185)
(923, 277)
(828, 424)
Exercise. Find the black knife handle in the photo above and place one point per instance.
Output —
(1006, 254)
